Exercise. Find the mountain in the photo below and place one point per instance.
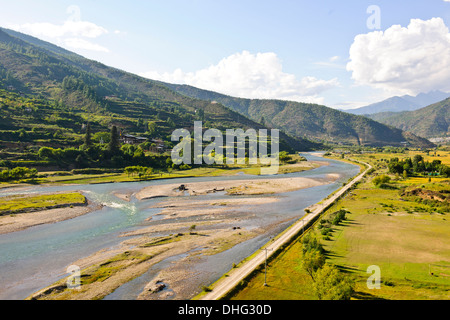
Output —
(429, 122)
(64, 91)
(403, 103)
(310, 120)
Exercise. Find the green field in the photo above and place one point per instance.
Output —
(408, 238)
(19, 204)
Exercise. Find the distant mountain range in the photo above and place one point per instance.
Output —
(403, 103)
(429, 122)
(63, 91)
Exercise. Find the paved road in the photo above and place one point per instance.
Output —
(236, 275)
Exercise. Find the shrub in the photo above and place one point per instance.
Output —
(330, 284)
(379, 180)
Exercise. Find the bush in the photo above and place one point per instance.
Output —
(184, 167)
(17, 173)
(339, 216)
(381, 180)
(331, 284)
(310, 243)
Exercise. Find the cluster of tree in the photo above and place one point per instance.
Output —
(380, 181)
(71, 83)
(329, 282)
(17, 173)
(107, 155)
(138, 170)
(417, 165)
(325, 225)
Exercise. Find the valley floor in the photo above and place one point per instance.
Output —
(407, 239)
(186, 226)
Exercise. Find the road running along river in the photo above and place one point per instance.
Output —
(39, 256)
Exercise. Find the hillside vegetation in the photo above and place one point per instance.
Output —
(430, 122)
(48, 95)
(310, 120)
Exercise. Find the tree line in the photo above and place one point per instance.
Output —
(417, 165)
(17, 173)
(328, 282)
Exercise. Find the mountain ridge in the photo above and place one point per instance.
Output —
(48, 71)
(74, 81)
(401, 103)
(314, 121)
(432, 121)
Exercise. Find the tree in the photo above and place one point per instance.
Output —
(102, 137)
(405, 174)
(284, 156)
(170, 123)
(331, 284)
(312, 260)
(152, 128)
(114, 143)
(310, 243)
(201, 114)
(395, 167)
(380, 180)
(45, 153)
(418, 164)
(88, 136)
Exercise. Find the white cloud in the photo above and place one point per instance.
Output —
(78, 43)
(335, 58)
(404, 60)
(70, 33)
(250, 75)
(68, 28)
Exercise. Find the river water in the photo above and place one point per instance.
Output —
(39, 256)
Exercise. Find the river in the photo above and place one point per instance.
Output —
(39, 256)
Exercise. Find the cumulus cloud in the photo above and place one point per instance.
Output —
(78, 43)
(68, 28)
(411, 59)
(248, 75)
(71, 33)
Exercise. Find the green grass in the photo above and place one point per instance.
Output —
(18, 204)
(285, 279)
(406, 239)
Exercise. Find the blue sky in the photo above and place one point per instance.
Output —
(293, 50)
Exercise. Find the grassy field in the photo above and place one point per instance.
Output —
(19, 204)
(408, 240)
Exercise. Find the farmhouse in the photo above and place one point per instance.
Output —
(130, 139)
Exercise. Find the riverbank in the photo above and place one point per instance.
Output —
(235, 187)
(22, 212)
(245, 271)
(68, 178)
(188, 226)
